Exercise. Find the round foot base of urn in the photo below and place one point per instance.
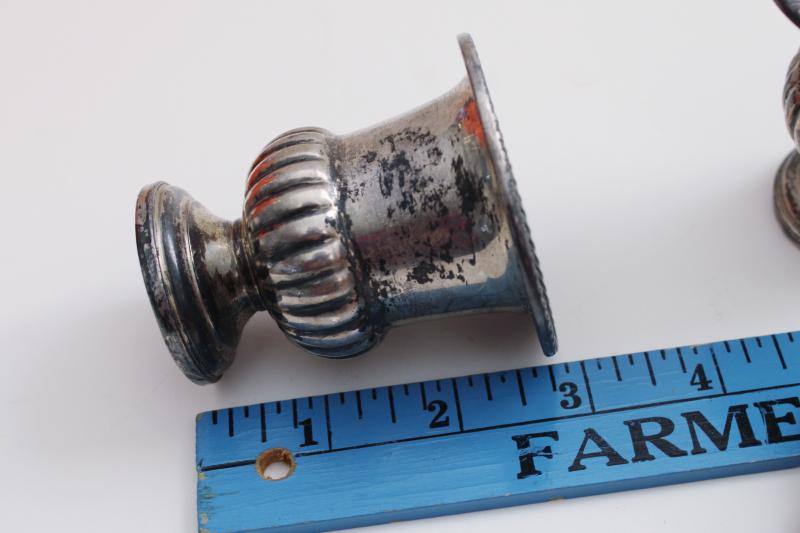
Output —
(190, 269)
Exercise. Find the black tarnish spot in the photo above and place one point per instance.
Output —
(422, 273)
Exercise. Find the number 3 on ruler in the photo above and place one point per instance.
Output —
(571, 399)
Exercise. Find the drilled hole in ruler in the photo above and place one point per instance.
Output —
(275, 464)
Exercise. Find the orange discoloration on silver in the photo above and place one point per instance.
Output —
(471, 122)
(262, 205)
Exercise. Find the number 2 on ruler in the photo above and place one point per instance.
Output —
(441, 408)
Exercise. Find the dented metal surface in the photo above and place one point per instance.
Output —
(344, 237)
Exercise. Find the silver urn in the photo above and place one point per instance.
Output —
(343, 237)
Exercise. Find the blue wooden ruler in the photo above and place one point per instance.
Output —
(506, 438)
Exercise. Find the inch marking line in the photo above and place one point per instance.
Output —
(521, 388)
(458, 406)
(588, 387)
(778, 349)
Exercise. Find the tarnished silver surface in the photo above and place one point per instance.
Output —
(344, 237)
(787, 195)
(787, 181)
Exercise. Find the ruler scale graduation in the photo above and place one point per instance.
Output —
(505, 438)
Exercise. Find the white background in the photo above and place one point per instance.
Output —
(644, 137)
